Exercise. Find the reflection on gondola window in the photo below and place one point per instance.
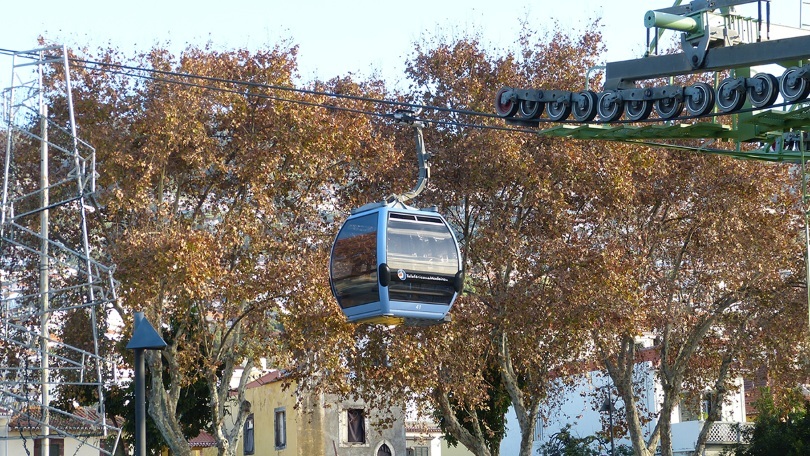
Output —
(354, 262)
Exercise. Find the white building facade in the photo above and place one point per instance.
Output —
(585, 409)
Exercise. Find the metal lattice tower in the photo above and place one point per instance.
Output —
(54, 293)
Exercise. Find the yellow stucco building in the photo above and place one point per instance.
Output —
(321, 425)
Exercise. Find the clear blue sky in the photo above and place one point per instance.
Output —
(334, 37)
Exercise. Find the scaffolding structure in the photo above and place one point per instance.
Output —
(55, 294)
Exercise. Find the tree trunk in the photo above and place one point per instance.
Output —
(700, 446)
(476, 444)
(218, 377)
(713, 415)
(621, 373)
(162, 402)
(719, 393)
(228, 439)
(665, 425)
(640, 446)
(525, 410)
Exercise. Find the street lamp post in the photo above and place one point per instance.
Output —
(144, 337)
(607, 406)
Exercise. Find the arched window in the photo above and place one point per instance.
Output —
(384, 450)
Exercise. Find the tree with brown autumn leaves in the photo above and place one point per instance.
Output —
(510, 196)
(213, 195)
(704, 254)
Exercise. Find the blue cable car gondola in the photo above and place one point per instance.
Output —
(392, 263)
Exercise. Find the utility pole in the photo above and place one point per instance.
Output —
(44, 282)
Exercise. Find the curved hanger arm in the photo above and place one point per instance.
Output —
(422, 156)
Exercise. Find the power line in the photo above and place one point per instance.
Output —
(135, 71)
(252, 94)
(286, 88)
(132, 71)
(423, 107)
(238, 83)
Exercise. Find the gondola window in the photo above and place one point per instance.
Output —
(354, 263)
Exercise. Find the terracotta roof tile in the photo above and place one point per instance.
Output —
(269, 377)
(422, 427)
(84, 419)
(204, 440)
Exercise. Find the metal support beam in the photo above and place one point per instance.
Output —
(625, 73)
(44, 283)
(806, 208)
(804, 14)
(702, 5)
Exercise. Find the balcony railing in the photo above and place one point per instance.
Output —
(685, 434)
(729, 433)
